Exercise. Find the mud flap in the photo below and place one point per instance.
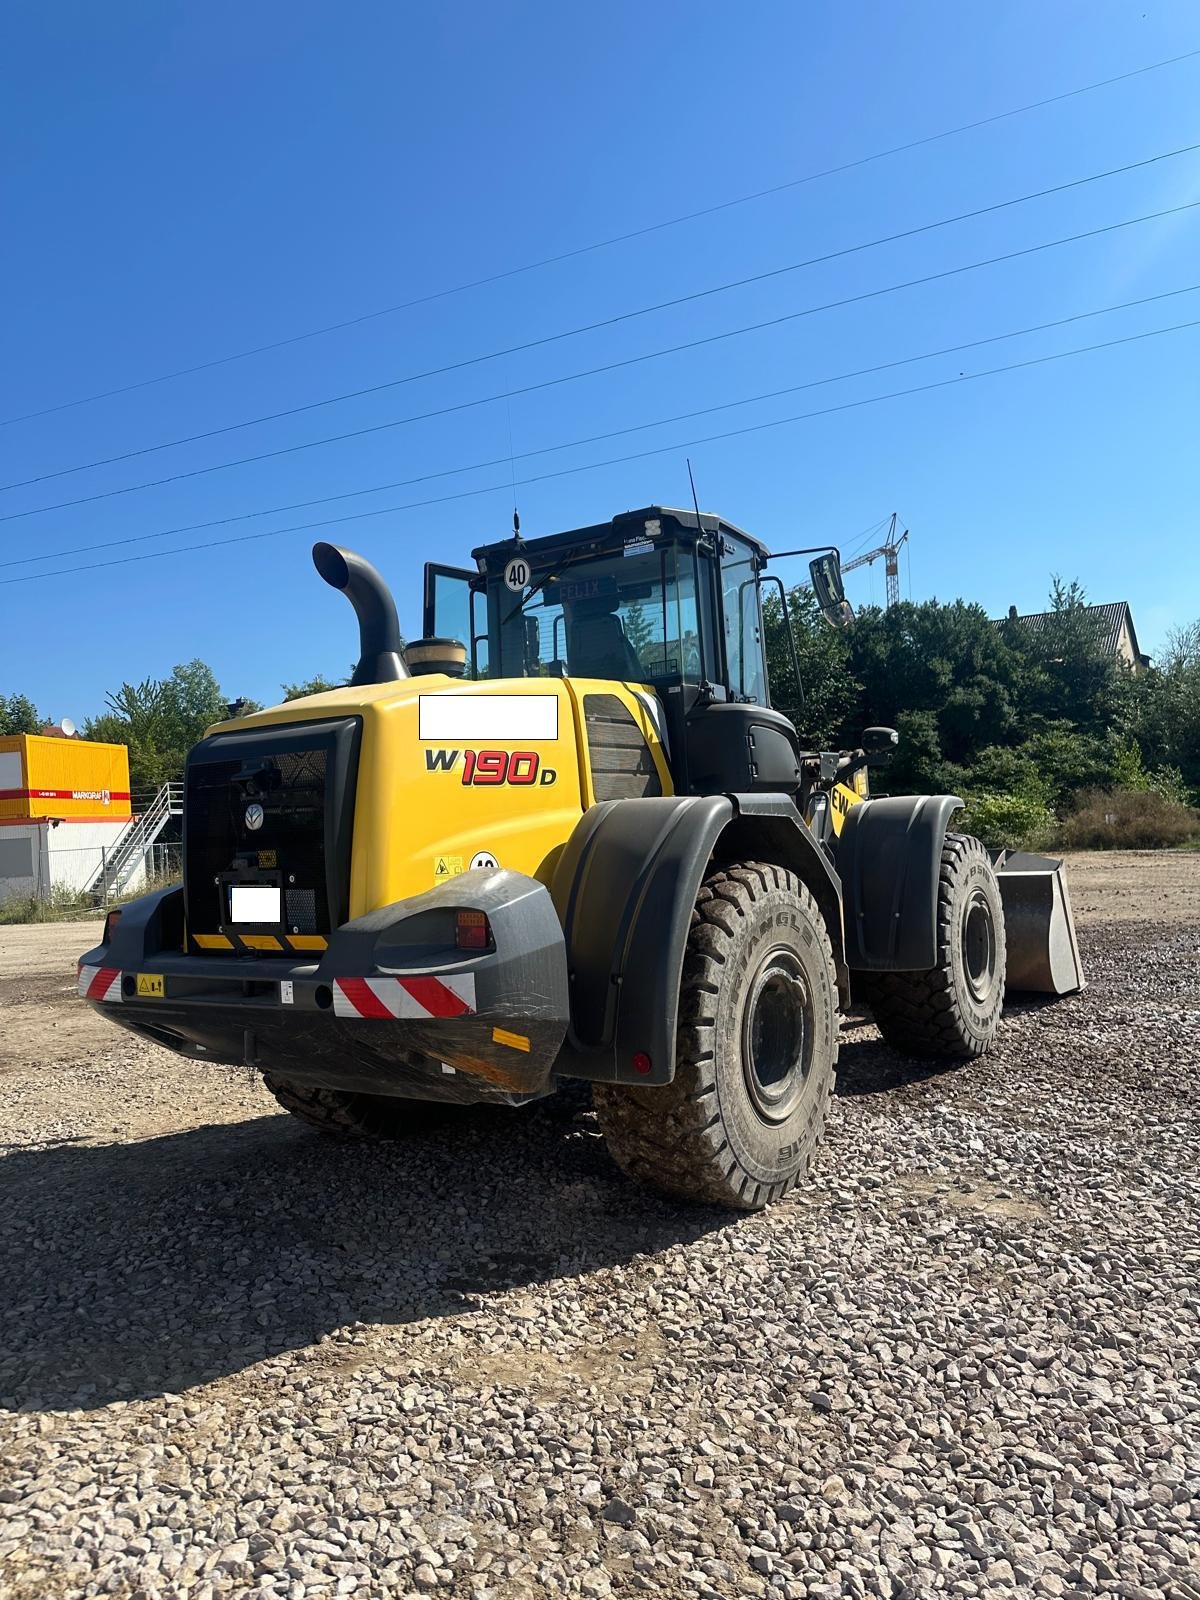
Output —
(1043, 951)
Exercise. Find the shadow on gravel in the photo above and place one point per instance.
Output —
(129, 1270)
(868, 1066)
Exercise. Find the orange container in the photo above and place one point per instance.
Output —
(46, 777)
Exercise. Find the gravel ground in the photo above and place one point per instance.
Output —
(235, 1360)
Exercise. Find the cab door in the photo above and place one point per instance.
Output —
(453, 609)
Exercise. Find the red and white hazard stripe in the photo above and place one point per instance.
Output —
(405, 997)
(100, 983)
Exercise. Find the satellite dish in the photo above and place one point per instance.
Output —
(68, 727)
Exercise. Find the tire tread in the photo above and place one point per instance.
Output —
(668, 1137)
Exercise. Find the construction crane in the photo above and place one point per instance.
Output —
(890, 550)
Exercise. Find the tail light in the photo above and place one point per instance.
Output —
(110, 926)
(472, 931)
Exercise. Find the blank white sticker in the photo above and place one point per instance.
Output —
(502, 717)
(254, 902)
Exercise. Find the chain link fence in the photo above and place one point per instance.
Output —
(74, 881)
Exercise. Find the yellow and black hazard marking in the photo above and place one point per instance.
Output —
(264, 943)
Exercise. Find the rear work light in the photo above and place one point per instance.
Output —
(472, 931)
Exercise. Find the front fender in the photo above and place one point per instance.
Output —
(889, 856)
(625, 889)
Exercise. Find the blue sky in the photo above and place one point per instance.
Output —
(185, 182)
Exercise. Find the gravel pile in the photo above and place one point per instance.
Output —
(236, 1360)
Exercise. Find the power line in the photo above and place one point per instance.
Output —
(612, 366)
(612, 461)
(659, 422)
(604, 244)
(604, 322)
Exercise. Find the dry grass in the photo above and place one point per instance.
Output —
(1129, 819)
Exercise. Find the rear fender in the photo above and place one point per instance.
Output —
(889, 858)
(625, 888)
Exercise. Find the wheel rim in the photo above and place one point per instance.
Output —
(979, 945)
(777, 1034)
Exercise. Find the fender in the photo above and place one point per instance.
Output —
(889, 856)
(624, 889)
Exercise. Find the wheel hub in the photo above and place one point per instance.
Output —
(777, 1035)
(979, 946)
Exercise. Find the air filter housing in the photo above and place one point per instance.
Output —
(448, 656)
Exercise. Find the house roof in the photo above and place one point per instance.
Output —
(1109, 621)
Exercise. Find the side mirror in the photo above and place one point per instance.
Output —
(826, 576)
(879, 745)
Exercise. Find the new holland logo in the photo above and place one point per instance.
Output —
(254, 817)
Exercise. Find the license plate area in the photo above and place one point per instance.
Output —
(252, 907)
(255, 905)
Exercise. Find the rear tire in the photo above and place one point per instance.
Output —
(755, 1051)
(340, 1114)
(953, 1010)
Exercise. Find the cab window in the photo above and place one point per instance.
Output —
(744, 654)
(454, 609)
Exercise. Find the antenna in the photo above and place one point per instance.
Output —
(706, 688)
(68, 727)
(512, 467)
(695, 502)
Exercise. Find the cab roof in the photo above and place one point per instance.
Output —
(681, 524)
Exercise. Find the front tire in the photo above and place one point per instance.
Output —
(953, 1010)
(755, 1052)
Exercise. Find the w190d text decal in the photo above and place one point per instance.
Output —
(486, 768)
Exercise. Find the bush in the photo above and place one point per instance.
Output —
(1018, 822)
(1129, 819)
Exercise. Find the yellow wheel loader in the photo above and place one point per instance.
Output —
(565, 835)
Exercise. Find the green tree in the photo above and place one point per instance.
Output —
(317, 685)
(18, 714)
(829, 692)
(160, 719)
(1165, 708)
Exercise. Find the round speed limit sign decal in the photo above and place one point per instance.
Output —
(516, 574)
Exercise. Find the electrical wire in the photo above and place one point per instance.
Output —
(612, 366)
(859, 542)
(612, 461)
(603, 323)
(604, 244)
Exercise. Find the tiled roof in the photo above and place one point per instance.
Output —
(1109, 620)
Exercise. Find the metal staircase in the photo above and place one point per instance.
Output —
(127, 853)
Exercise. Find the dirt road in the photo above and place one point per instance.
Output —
(238, 1360)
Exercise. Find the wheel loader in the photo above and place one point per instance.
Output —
(566, 835)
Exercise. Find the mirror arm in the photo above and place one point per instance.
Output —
(808, 550)
(791, 637)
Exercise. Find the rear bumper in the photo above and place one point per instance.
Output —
(391, 1007)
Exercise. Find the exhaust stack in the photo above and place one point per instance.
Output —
(380, 659)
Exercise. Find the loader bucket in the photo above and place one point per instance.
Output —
(1043, 952)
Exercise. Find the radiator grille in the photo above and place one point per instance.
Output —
(622, 765)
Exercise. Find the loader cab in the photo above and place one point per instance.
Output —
(658, 598)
